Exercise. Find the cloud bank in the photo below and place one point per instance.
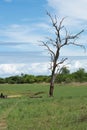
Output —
(38, 68)
(72, 8)
(21, 33)
(17, 69)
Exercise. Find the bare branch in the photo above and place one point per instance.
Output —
(66, 33)
(60, 25)
(82, 46)
(51, 41)
(68, 37)
(60, 68)
(51, 66)
(57, 29)
(54, 22)
(51, 52)
(75, 36)
(62, 61)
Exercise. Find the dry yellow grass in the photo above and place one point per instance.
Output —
(14, 96)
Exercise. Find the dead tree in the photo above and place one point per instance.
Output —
(54, 46)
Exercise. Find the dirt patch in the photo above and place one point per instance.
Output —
(3, 124)
(13, 96)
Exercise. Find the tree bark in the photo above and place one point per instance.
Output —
(51, 90)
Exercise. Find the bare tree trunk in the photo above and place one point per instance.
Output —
(51, 90)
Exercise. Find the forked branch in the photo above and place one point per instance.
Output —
(48, 48)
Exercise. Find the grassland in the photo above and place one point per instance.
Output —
(35, 110)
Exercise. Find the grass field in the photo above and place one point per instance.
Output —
(28, 107)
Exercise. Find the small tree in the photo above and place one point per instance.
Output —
(58, 43)
(64, 70)
(80, 75)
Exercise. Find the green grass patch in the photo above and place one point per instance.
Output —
(67, 110)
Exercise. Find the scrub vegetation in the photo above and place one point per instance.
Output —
(63, 77)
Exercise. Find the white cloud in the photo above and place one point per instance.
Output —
(71, 8)
(16, 69)
(76, 64)
(75, 10)
(73, 51)
(24, 33)
(20, 33)
(76, 20)
(39, 68)
(43, 26)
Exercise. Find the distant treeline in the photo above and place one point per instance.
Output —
(64, 77)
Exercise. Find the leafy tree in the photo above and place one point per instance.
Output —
(29, 78)
(41, 78)
(2, 81)
(64, 70)
(80, 75)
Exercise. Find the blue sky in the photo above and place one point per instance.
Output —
(23, 23)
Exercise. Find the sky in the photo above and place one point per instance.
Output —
(23, 23)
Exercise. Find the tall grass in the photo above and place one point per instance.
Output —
(67, 110)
